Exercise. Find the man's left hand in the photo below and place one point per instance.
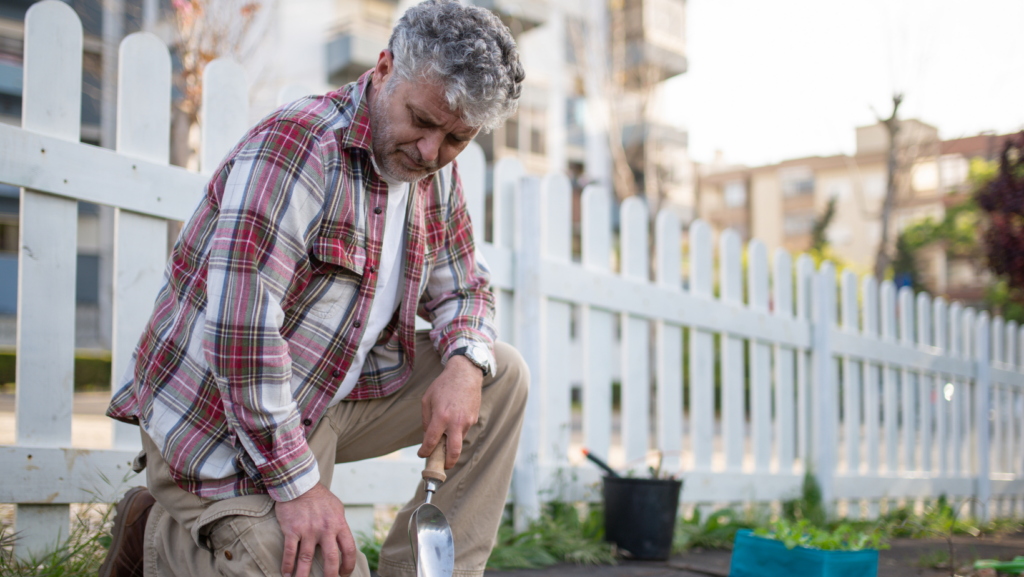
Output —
(451, 406)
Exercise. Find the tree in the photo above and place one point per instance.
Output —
(206, 30)
(1002, 199)
(819, 240)
(892, 126)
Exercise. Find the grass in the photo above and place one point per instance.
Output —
(92, 371)
(79, 555)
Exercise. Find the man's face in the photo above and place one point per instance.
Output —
(415, 133)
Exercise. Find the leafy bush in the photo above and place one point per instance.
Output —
(844, 537)
(92, 373)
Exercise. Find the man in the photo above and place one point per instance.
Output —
(282, 340)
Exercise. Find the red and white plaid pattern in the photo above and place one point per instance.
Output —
(268, 288)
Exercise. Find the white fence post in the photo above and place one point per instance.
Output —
(785, 371)
(872, 385)
(982, 409)
(941, 338)
(556, 240)
(926, 381)
(635, 341)
(507, 175)
(760, 360)
(669, 343)
(823, 393)
(143, 132)
(529, 330)
(890, 396)
(225, 111)
(596, 326)
(908, 388)
(47, 260)
(702, 351)
(804, 288)
(730, 269)
(852, 378)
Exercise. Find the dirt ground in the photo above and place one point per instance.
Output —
(903, 559)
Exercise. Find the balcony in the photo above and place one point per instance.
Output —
(353, 50)
(518, 15)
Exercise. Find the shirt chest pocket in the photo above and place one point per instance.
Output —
(337, 275)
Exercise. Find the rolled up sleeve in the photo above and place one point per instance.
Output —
(458, 301)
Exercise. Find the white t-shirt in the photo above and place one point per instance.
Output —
(390, 279)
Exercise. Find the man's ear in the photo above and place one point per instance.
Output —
(385, 67)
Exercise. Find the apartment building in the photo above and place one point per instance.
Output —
(780, 203)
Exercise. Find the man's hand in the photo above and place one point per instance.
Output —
(451, 406)
(314, 518)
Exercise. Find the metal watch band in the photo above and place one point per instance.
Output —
(482, 365)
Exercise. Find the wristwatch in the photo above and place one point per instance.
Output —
(476, 355)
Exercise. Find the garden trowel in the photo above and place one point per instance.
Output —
(429, 532)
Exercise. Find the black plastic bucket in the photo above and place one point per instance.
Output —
(640, 515)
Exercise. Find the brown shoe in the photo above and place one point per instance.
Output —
(124, 558)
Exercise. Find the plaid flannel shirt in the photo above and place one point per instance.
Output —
(267, 288)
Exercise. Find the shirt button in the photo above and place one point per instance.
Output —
(307, 422)
(336, 373)
(357, 324)
(227, 555)
(378, 210)
(373, 269)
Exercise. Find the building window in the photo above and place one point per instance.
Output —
(797, 181)
(512, 133)
(953, 170)
(798, 224)
(735, 194)
(536, 141)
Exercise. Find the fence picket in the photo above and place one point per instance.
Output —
(785, 373)
(872, 385)
(529, 323)
(908, 379)
(730, 268)
(669, 344)
(760, 359)
(556, 194)
(825, 403)
(51, 105)
(968, 350)
(596, 325)
(507, 173)
(805, 272)
(702, 352)
(926, 382)
(956, 421)
(225, 111)
(1019, 409)
(852, 379)
(143, 131)
(1012, 401)
(940, 331)
(635, 341)
(998, 399)
(983, 408)
(473, 174)
(890, 396)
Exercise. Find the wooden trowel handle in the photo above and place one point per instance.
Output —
(435, 462)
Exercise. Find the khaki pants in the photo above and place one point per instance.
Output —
(190, 536)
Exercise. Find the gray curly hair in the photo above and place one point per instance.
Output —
(469, 51)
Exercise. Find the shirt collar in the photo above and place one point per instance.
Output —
(357, 134)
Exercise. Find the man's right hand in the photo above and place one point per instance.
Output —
(314, 518)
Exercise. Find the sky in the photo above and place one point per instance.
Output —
(773, 80)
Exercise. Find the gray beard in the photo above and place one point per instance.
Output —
(383, 141)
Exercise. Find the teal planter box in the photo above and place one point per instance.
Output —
(759, 557)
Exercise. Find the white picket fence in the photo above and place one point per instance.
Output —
(887, 396)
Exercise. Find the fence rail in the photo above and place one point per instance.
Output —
(785, 366)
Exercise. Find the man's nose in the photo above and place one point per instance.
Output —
(430, 145)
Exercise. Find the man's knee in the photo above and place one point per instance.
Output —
(512, 373)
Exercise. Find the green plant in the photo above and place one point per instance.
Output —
(370, 546)
(92, 371)
(562, 534)
(808, 506)
(803, 533)
(716, 531)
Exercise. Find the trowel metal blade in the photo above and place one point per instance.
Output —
(432, 544)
